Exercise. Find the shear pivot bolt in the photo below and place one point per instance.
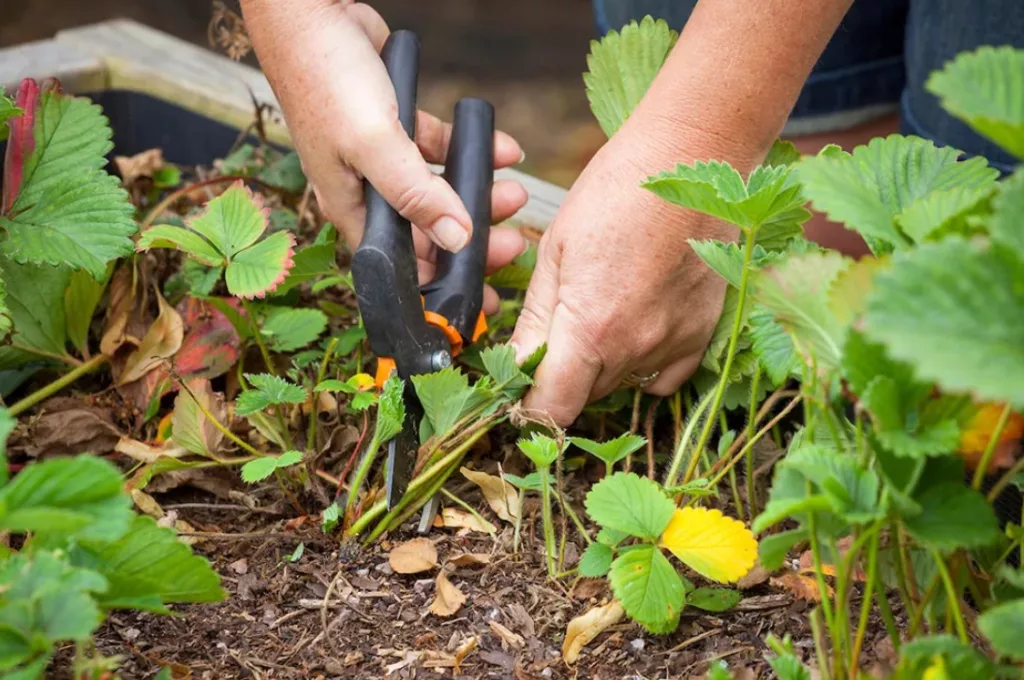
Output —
(440, 360)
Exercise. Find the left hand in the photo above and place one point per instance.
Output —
(617, 290)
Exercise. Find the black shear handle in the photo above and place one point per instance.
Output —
(384, 265)
(457, 290)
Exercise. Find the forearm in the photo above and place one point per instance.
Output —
(730, 83)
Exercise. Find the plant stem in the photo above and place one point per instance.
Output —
(737, 326)
(314, 413)
(634, 425)
(990, 449)
(952, 599)
(188, 188)
(549, 526)
(219, 425)
(994, 492)
(890, 621)
(567, 508)
(757, 437)
(62, 358)
(57, 385)
(826, 605)
(695, 415)
(419, 481)
(865, 605)
(518, 523)
(361, 472)
(751, 492)
(819, 643)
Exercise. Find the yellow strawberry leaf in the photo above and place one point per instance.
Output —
(715, 546)
(363, 381)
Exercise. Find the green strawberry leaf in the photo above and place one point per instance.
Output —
(902, 427)
(500, 363)
(941, 656)
(953, 516)
(390, 409)
(613, 450)
(446, 397)
(81, 297)
(512, 276)
(59, 206)
(873, 188)
(649, 588)
(714, 599)
(7, 111)
(227, 233)
(596, 560)
(985, 89)
(541, 450)
(946, 309)
(772, 346)
(630, 504)
(796, 292)
(35, 305)
(260, 468)
(287, 330)
(1003, 626)
(80, 497)
(148, 568)
(269, 390)
(1004, 223)
(622, 66)
(769, 197)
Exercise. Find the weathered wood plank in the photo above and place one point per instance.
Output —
(78, 71)
(143, 59)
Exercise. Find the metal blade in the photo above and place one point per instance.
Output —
(402, 450)
(428, 514)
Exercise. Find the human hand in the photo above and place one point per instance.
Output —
(322, 60)
(617, 290)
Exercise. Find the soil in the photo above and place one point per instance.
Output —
(377, 623)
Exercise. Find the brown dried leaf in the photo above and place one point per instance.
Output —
(469, 560)
(587, 626)
(507, 637)
(413, 557)
(454, 518)
(190, 426)
(754, 578)
(144, 453)
(161, 341)
(465, 649)
(500, 495)
(123, 318)
(147, 504)
(800, 586)
(69, 426)
(843, 545)
(447, 597)
(140, 165)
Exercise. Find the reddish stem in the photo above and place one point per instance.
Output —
(355, 452)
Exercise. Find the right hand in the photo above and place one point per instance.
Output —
(322, 59)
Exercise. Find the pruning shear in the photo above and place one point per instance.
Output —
(415, 330)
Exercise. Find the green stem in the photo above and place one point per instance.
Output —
(220, 426)
(819, 643)
(826, 605)
(865, 605)
(567, 508)
(696, 413)
(258, 336)
(361, 472)
(314, 413)
(952, 599)
(890, 621)
(421, 480)
(751, 491)
(993, 441)
(518, 524)
(57, 385)
(1010, 475)
(549, 526)
(723, 382)
(748, 446)
(62, 358)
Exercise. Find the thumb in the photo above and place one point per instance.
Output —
(392, 163)
(534, 321)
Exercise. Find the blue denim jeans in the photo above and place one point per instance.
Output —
(877, 62)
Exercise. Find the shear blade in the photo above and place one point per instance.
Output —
(402, 452)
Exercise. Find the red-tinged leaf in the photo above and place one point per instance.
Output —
(211, 346)
(21, 142)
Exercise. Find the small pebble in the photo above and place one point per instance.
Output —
(637, 645)
(363, 572)
(384, 568)
(423, 585)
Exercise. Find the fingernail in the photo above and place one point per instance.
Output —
(449, 234)
(522, 157)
